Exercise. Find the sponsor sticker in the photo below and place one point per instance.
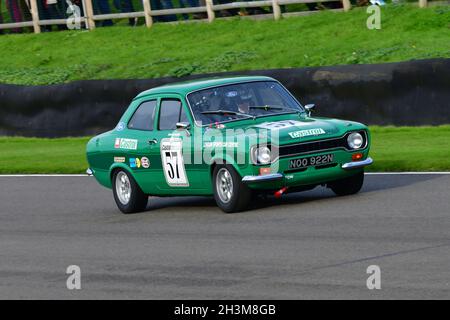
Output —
(305, 133)
(218, 144)
(284, 124)
(175, 134)
(173, 162)
(145, 162)
(120, 126)
(231, 94)
(122, 143)
(135, 163)
(119, 159)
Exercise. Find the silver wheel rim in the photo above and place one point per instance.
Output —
(224, 185)
(123, 188)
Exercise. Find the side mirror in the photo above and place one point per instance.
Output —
(310, 107)
(183, 125)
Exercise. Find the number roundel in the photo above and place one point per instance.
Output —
(173, 163)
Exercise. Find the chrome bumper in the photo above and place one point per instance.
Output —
(357, 164)
(263, 178)
(279, 176)
(89, 172)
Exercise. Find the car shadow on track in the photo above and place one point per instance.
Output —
(371, 184)
(156, 203)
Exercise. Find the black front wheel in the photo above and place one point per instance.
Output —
(127, 193)
(348, 186)
(230, 193)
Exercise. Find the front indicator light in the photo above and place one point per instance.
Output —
(357, 156)
(264, 171)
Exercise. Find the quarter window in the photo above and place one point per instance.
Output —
(142, 118)
(170, 113)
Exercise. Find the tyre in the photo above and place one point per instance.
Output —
(230, 193)
(347, 186)
(127, 193)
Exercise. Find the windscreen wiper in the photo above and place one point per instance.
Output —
(268, 107)
(224, 112)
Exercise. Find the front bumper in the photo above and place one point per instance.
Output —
(263, 178)
(357, 164)
(282, 179)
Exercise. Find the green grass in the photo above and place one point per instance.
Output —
(36, 155)
(326, 38)
(393, 149)
(410, 148)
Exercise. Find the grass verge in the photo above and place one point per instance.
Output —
(393, 149)
(325, 38)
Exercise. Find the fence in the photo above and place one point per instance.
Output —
(88, 17)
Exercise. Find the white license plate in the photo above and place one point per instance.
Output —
(311, 161)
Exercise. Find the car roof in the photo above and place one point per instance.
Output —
(193, 85)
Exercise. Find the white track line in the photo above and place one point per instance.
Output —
(85, 175)
(42, 175)
(408, 173)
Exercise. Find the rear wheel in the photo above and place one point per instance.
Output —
(230, 193)
(348, 186)
(127, 193)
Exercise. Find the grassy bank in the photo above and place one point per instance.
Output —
(393, 149)
(326, 38)
(411, 148)
(35, 155)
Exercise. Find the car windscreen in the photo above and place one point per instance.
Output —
(241, 100)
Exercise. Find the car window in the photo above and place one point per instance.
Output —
(170, 113)
(183, 116)
(142, 118)
(240, 101)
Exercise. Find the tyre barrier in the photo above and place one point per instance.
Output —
(408, 93)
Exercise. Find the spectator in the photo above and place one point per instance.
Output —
(51, 9)
(126, 6)
(1, 17)
(25, 8)
(161, 5)
(102, 7)
(226, 13)
(192, 4)
(78, 3)
(15, 13)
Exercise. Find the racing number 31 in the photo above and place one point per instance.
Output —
(172, 160)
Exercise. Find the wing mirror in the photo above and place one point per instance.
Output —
(309, 108)
(184, 126)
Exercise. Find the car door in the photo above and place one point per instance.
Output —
(140, 128)
(173, 149)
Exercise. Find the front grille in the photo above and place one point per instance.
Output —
(315, 146)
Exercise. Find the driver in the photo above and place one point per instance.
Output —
(240, 102)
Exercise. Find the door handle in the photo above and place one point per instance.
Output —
(152, 141)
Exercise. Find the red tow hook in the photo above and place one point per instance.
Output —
(280, 192)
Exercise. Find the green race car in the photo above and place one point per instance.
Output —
(232, 138)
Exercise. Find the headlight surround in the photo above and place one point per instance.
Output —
(355, 140)
(261, 155)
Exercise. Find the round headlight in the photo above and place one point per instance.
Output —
(355, 140)
(262, 155)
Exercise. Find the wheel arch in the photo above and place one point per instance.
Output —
(224, 159)
(117, 166)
